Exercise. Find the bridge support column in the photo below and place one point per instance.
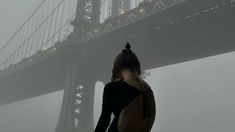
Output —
(115, 7)
(87, 15)
(76, 113)
(127, 5)
(120, 6)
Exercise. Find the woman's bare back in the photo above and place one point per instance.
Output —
(130, 118)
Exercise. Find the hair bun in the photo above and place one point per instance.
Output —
(128, 46)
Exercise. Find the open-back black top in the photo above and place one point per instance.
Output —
(116, 96)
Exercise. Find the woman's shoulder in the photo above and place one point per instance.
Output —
(112, 86)
(113, 83)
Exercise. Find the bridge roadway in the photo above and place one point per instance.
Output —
(191, 30)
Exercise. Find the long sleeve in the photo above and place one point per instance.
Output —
(106, 111)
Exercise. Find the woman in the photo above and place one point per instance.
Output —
(128, 97)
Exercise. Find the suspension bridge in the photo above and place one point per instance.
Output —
(70, 44)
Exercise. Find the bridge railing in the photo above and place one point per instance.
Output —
(138, 9)
(51, 22)
(122, 6)
(48, 24)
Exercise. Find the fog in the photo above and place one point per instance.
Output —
(194, 96)
(13, 14)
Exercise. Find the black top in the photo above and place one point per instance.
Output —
(116, 96)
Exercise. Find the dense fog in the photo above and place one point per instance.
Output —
(193, 96)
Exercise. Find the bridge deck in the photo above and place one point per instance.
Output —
(188, 31)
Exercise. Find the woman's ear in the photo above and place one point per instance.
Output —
(124, 71)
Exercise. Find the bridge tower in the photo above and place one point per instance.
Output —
(120, 6)
(87, 16)
(76, 113)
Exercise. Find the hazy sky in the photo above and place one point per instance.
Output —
(195, 96)
(13, 14)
